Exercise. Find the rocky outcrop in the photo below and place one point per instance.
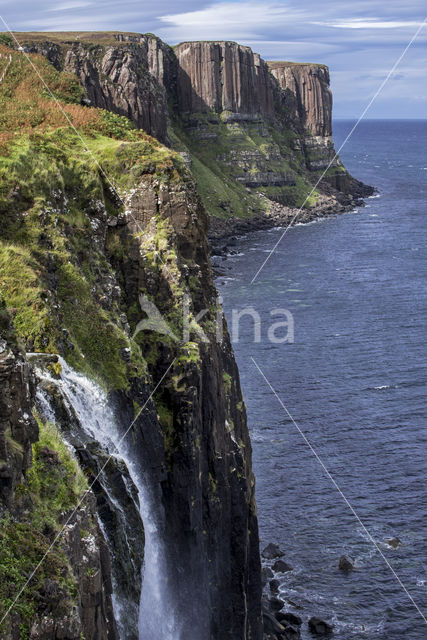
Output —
(59, 610)
(204, 447)
(309, 86)
(223, 76)
(92, 615)
(18, 428)
(131, 76)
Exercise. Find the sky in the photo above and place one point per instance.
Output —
(359, 41)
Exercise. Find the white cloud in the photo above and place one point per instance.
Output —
(297, 51)
(67, 6)
(229, 20)
(369, 23)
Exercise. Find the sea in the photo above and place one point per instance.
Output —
(338, 413)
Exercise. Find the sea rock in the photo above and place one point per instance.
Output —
(346, 563)
(274, 586)
(288, 617)
(272, 551)
(271, 625)
(276, 604)
(280, 566)
(394, 543)
(266, 574)
(319, 627)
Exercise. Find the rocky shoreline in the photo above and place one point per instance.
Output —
(221, 230)
(280, 622)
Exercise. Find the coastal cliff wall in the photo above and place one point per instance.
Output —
(77, 257)
(123, 73)
(309, 85)
(223, 76)
(70, 593)
(254, 132)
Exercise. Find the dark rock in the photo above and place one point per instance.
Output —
(266, 574)
(319, 627)
(291, 632)
(274, 586)
(272, 551)
(276, 604)
(271, 625)
(48, 456)
(288, 617)
(346, 563)
(395, 543)
(280, 566)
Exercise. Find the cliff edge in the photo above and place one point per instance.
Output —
(257, 135)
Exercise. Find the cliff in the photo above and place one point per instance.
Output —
(223, 76)
(99, 223)
(41, 488)
(128, 74)
(255, 133)
(309, 86)
(76, 255)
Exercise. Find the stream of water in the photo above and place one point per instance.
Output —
(157, 615)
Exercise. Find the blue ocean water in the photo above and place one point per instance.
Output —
(355, 382)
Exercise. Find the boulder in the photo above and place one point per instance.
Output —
(271, 626)
(280, 566)
(319, 627)
(266, 574)
(346, 563)
(276, 604)
(272, 551)
(288, 618)
(274, 586)
(394, 543)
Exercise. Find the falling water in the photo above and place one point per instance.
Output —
(157, 617)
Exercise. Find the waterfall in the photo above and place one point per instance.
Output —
(91, 419)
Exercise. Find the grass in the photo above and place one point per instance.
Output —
(52, 196)
(55, 484)
(217, 163)
(277, 64)
(63, 37)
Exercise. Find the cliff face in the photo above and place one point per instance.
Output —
(18, 428)
(90, 253)
(208, 485)
(127, 74)
(70, 594)
(256, 132)
(223, 76)
(309, 85)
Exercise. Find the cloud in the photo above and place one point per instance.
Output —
(369, 23)
(66, 6)
(229, 20)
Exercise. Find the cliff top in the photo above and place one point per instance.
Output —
(93, 37)
(278, 64)
(211, 42)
